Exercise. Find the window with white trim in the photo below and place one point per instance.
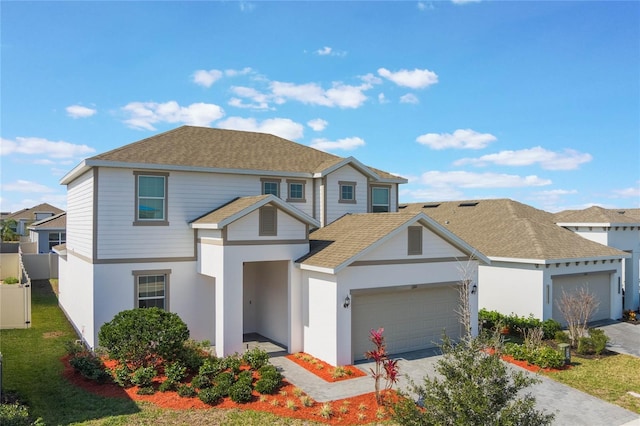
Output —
(151, 289)
(151, 198)
(57, 238)
(380, 199)
(347, 192)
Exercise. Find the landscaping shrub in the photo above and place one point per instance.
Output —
(145, 336)
(210, 396)
(201, 382)
(167, 386)
(175, 372)
(11, 280)
(90, 367)
(122, 376)
(270, 372)
(14, 414)
(223, 382)
(546, 357)
(256, 358)
(585, 346)
(73, 347)
(245, 377)
(231, 362)
(146, 390)
(599, 340)
(550, 328)
(192, 354)
(267, 386)
(186, 391)
(143, 376)
(240, 392)
(561, 337)
(211, 367)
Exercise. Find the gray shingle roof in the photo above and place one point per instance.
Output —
(503, 228)
(58, 221)
(204, 147)
(30, 213)
(596, 214)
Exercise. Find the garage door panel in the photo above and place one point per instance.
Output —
(597, 284)
(412, 319)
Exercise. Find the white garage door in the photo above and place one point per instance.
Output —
(596, 284)
(412, 318)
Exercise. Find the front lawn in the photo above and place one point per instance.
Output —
(609, 378)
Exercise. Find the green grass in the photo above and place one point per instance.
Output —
(609, 378)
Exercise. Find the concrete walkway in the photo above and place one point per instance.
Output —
(570, 406)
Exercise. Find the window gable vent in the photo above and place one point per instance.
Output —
(430, 206)
(472, 204)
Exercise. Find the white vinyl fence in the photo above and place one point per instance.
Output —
(15, 299)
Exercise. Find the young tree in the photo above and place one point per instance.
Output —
(8, 233)
(476, 388)
(577, 308)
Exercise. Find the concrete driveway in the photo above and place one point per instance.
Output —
(570, 406)
(625, 337)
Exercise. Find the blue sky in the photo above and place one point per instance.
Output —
(534, 101)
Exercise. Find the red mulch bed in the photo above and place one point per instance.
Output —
(324, 370)
(527, 366)
(349, 411)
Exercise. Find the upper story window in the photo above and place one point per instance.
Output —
(271, 186)
(380, 199)
(347, 192)
(296, 191)
(152, 289)
(414, 240)
(268, 221)
(151, 198)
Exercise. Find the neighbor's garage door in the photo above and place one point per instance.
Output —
(412, 319)
(596, 284)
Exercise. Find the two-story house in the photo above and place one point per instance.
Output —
(218, 226)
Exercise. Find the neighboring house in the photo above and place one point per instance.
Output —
(26, 217)
(618, 228)
(49, 232)
(533, 261)
(215, 226)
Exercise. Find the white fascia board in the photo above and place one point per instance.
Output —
(349, 160)
(205, 226)
(173, 167)
(75, 172)
(552, 261)
(597, 225)
(329, 271)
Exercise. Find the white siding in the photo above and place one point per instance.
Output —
(191, 295)
(247, 228)
(76, 295)
(433, 246)
(190, 195)
(335, 209)
(512, 289)
(320, 316)
(80, 215)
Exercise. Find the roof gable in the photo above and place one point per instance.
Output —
(599, 215)
(58, 221)
(242, 206)
(353, 235)
(30, 212)
(506, 229)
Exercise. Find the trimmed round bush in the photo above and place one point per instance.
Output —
(240, 392)
(143, 336)
(223, 382)
(201, 382)
(186, 391)
(256, 358)
(267, 386)
(210, 396)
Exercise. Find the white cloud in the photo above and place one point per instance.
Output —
(464, 179)
(259, 100)
(246, 6)
(26, 186)
(371, 79)
(340, 95)
(460, 139)
(206, 78)
(409, 98)
(328, 51)
(568, 159)
(79, 111)
(464, 1)
(422, 6)
(434, 194)
(233, 73)
(346, 144)
(144, 114)
(317, 124)
(40, 146)
(631, 192)
(415, 79)
(382, 99)
(283, 127)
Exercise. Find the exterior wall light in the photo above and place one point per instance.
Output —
(474, 289)
(347, 302)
